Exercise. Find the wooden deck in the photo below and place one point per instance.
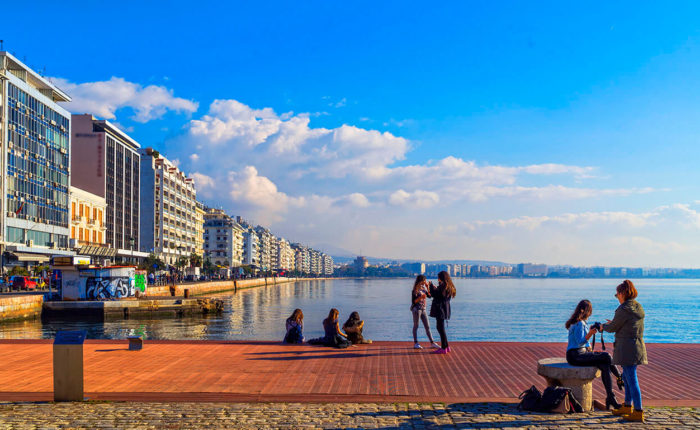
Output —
(268, 371)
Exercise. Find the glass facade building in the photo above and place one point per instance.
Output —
(36, 135)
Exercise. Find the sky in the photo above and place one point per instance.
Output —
(552, 133)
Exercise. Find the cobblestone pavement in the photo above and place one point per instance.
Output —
(106, 415)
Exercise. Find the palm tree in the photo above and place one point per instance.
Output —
(195, 260)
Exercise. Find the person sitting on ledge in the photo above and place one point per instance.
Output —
(353, 327)
(580, 353)
(295, 327)
(334, 336)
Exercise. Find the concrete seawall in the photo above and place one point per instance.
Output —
(20, 307)
(200, 288)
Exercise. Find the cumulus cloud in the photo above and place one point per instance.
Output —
(679, 215)
(104, 98)
(418, 199)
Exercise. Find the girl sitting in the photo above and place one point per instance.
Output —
(353, 327)
(333, 336)
(295, 327)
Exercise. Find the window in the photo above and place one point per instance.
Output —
(72, 232)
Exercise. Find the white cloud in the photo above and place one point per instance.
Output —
(418, 199)
(194, 157)
(104, 98)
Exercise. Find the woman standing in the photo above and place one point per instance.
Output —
(419, 297)
(579, 353)
(629, 352)
(440, 308)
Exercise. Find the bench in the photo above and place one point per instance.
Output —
(135, 343)
(558, 372)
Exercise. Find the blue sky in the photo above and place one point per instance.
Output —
(548, 132)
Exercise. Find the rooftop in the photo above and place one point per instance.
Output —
(27, 74)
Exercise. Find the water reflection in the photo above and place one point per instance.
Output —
(485, 310)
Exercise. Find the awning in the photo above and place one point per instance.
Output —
(97, 251)
(26, 256)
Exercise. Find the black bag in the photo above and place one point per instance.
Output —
(530, 399)
(552, 397)
(575, 405)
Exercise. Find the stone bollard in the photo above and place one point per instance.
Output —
(187, 293)
(557, 372)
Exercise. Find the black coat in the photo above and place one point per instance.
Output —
(440, 308)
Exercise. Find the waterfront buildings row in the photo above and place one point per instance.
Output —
(77, 185)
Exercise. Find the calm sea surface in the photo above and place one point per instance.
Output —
(522, 310)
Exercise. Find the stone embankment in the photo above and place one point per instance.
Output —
(20, 306)
(199, 288)
(156, 301)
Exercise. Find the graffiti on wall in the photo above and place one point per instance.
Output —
(100, 288)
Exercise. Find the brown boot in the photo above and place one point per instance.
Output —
(636, 415)
(622, 410)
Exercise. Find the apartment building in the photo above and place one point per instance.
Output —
(327, 265)
(285, 256)
(168, 209)
(223, 239)
(302, 260)
(107, 164)
(265, 240)
(251, 253)
(199, 228)
(35, 139)
(87, 226)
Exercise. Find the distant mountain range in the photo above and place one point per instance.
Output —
(343, 256)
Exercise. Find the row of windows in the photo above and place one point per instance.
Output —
(45, 214)
(28, 114)
(86, 235)
(43, 149)
(36, 168)
(39, 238)
(32, 190)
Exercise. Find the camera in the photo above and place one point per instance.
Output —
(598, 326)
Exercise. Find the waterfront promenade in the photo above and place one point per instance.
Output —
(211, 371)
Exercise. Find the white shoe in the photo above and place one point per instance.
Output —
(435, 345)
(417, 346)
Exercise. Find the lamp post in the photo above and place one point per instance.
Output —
(131, 247)
(180, 248)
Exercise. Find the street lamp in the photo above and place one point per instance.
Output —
(131, 247)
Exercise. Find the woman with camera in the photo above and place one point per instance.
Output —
(580, 353)
(628, 326)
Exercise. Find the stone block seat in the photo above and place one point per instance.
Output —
(558, 372)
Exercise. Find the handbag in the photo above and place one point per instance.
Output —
(556, 400)
(530, 399)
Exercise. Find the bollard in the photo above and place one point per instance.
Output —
(135, 342)
(68, 366)
(187, 293)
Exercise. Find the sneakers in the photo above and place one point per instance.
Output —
(434, 345)
(417, 346)
(448, 349)
(636, 416)
(622, 410)
(439, 351)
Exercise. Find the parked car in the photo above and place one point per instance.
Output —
(40, 283)
(23, 283)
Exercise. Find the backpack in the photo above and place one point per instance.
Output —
(530, 399)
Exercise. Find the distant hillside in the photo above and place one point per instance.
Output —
(346, 259)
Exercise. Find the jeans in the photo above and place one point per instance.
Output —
(443, 334)
(420, 314)
(601, 360)
(633, 395)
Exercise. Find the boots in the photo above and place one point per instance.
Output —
(636, 416)
(622, 410)
(612, 402)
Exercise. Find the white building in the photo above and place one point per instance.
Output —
(35, 140)
(168, 209)
(223, 239)
(250, 248)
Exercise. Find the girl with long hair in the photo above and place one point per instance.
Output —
(440, 308)
(353, 328)
(419, 296)
(579, 352)
(630, 351)
(333, 337)
(295, 327)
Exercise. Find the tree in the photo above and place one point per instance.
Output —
(152, 264)
(181, 262)
(37, 270)
(18, 271)
(195, 260)
(208, 268)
